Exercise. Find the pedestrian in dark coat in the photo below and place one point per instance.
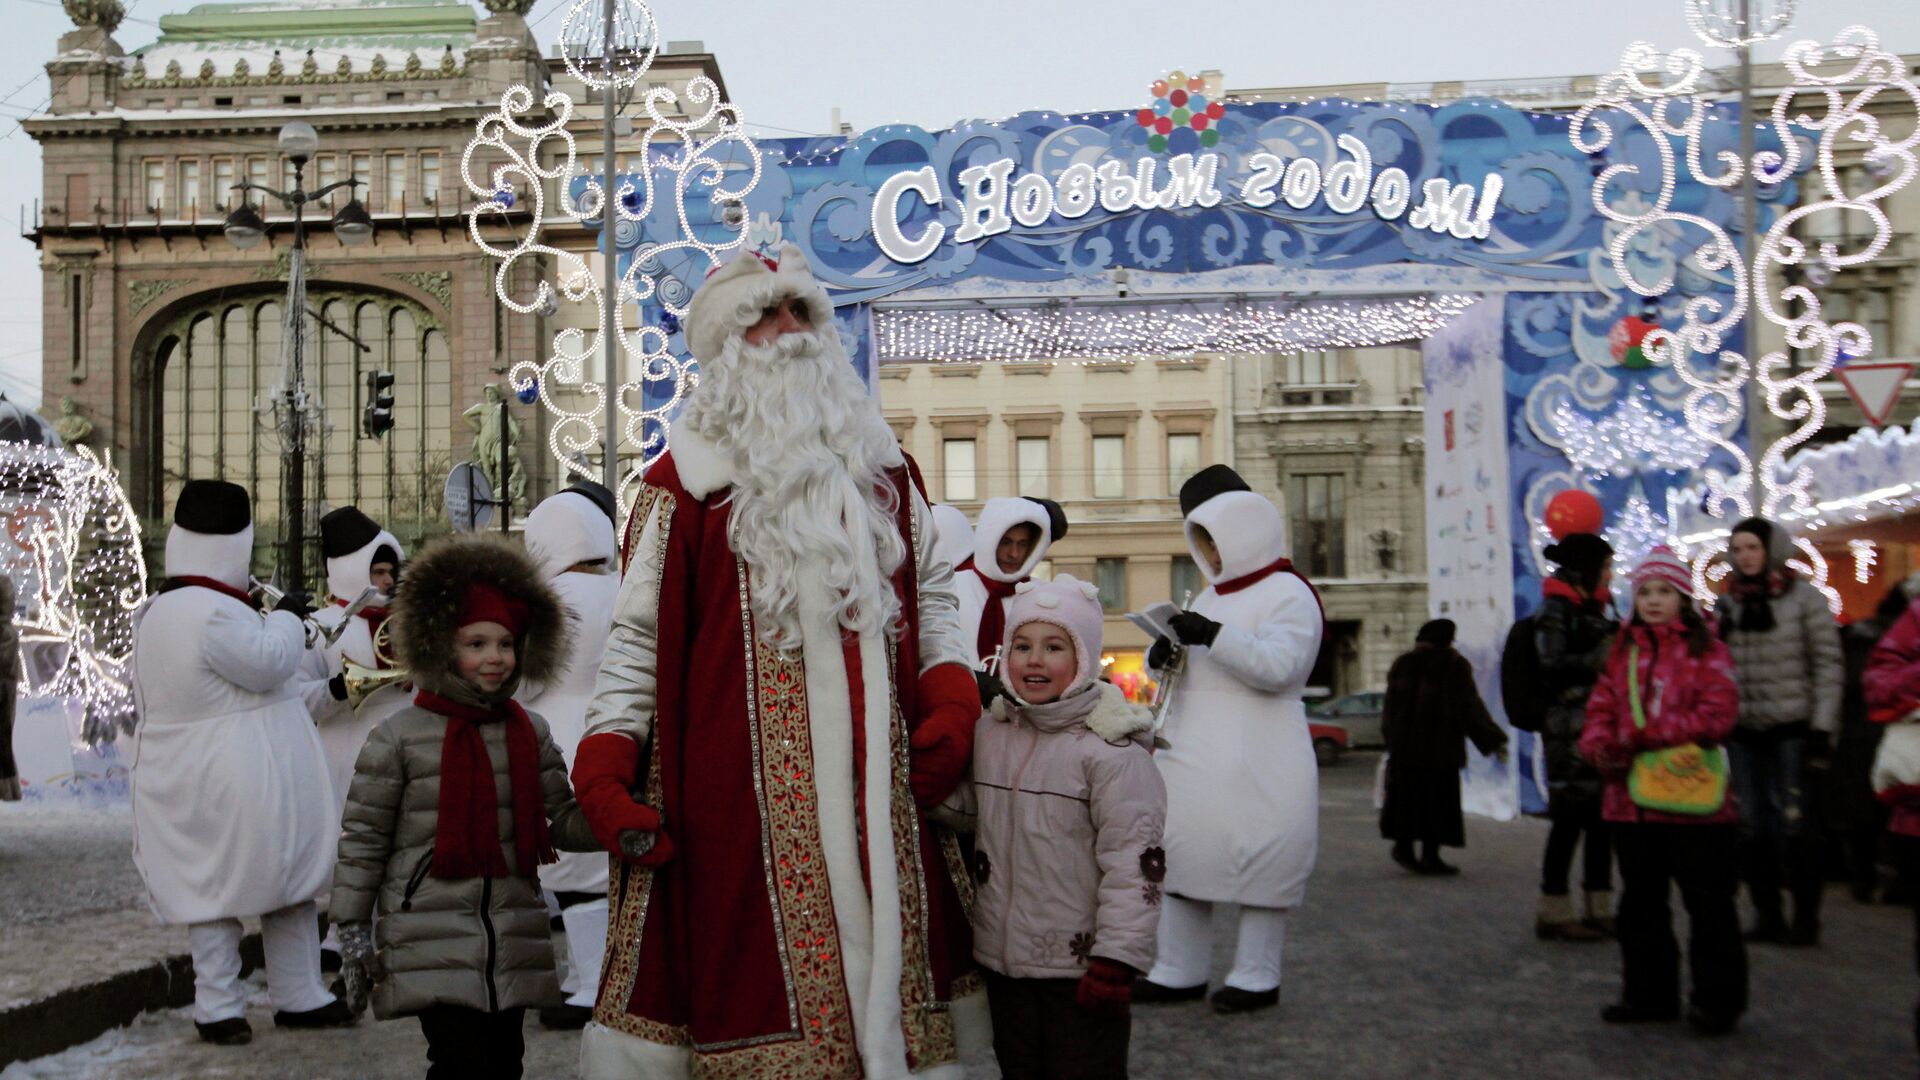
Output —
(1432, 709)
(1856, 815)
(1574, 632)
(9, 691)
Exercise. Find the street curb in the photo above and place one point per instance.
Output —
(84, 1013)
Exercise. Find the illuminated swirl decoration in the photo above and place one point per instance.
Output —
(702, 156)
(1825, 106)
(73, 551)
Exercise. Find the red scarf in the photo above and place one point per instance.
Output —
(466, 842)
(373, 617)
(186, 580)
(1278, 566)
(993, 617)
(1567, 590)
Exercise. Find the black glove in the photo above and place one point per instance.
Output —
(1193, 629)
(990, 687)
(1160, 655)
(337, 686)
(301, 604)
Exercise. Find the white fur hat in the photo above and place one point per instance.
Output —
(732, 298)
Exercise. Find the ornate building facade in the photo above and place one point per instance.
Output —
(167, 337)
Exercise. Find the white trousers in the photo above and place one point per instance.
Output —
(290, 938)
(586, 945)
(1186, 945)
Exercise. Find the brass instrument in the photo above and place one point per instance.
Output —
(363, 681)
(271, 595)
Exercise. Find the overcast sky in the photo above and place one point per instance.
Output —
(788, 65)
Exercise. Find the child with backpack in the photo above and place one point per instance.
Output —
(455, 802)
(1067, 859)
(1654, 726)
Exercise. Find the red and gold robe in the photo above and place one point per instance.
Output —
(810, 923)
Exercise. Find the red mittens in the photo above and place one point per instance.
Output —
(1107, 988)
(942, 742)
(603, 770)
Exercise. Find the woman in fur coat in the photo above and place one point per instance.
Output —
(456, 801)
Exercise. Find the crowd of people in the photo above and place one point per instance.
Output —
(819, 781)
(1697, 750)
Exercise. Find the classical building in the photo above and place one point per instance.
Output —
(167, 337)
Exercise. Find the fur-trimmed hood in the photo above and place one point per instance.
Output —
(434, 593)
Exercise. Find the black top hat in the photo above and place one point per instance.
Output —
(213, 507)
(1205, 484)
(1582, 553)
(1436, 632)
(345, 531)
(1056, 518)
(601, 497)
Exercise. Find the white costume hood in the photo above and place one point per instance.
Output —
(225, 557)
(1246, 528)
(568, 528)
(955, 542)
(996, 517)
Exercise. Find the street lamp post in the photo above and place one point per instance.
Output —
(293, 409)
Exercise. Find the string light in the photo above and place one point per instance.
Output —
(1673, 115)
(1629, 440)
(706, 156)
(1117, 332)
(1865, 558)
(75, 557)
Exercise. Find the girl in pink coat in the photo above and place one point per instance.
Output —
(1067, 859)
(1669, 682)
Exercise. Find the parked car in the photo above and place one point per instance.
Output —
(1359, 713)
(1329, 741)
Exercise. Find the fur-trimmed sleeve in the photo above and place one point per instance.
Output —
(624, 693)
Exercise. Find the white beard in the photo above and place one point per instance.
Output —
(804, 440)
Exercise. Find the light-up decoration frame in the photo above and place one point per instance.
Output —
(713, 164)
(1674, 115)
(74, 553)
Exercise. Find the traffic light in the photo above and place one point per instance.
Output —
(376, 415)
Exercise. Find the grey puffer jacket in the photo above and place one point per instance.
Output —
(478, 942)
(1067, 858)
(1793, 673)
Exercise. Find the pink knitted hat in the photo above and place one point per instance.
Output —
(1663, 564)
(1070, 604)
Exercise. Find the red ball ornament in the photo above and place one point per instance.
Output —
(1160, 88)
(1177, 98)
(1196, 84)
(1574, 512)
(1164, 125)
(1145, 116)
(1215, 110)
(1198, 123)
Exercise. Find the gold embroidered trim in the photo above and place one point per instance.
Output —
(755, 678)
(631, 886)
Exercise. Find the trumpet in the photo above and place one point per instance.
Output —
(271, 595)
(363, 681)
(1169, 681)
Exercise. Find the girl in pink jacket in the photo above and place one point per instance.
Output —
(1668, 683)
(1067, 859)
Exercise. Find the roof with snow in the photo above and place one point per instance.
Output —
(308, 41)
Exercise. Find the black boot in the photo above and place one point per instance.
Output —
(333, 1014)
(1403, 854)
(1712, 1021)
(565, 1017)
(1624, 1013)
(1229, 999)
(1148, 992)
(233, 1031)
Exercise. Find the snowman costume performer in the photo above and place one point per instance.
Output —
(985, 580)
(233, 813)
(352, 544)
(571, 536)
(1242, 783)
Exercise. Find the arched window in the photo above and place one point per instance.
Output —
(215, 366)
